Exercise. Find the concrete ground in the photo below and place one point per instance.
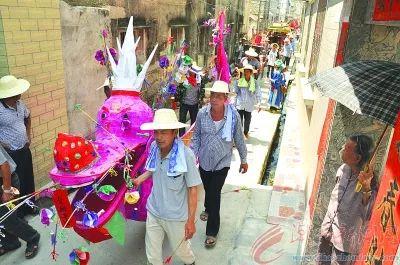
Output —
(245, 237)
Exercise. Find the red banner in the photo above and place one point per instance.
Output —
(383, 235)
(386, 10)
(63, 207)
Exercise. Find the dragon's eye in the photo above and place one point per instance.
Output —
(104, 115)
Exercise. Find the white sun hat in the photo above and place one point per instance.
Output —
(248, 67)
(10, 86)
(251, 52)
(219, 87)
(164, 119)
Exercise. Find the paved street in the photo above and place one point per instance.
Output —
(243, 217)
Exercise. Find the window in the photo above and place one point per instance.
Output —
(141, 32)
(178, 33)
(204, 39)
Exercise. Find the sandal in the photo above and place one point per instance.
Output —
(4, 250)
(204, 216)
(32, 247)
(210, 242)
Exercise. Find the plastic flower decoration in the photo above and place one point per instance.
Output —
(99, 56)
(46, 216)
(163, 62)
(106, 192)
(79, 256)
(132, 197)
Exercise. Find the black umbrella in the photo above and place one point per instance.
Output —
(369, 88)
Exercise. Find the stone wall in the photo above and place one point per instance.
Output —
(368, 41)
(33, 49)
(80, 27)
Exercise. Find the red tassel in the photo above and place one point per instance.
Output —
(54, 255)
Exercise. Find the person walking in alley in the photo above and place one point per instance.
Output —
(271, 58)
(287, 51)
(171, 206)
(251, 58)
(217, 127)
(348, 211)
(189, 102)
(15, 136)
(248, 94)
(14, 227)
(277, 87)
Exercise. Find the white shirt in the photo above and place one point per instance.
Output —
(272, 55)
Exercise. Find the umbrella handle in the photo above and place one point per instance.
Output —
(366, 168)
(359, 185)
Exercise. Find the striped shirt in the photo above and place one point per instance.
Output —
(191, 95)
(213, 152)
(245, 100)
(12, 125)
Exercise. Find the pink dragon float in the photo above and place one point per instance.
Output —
(103, 169)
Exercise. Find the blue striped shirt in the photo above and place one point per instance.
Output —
(12, 125)
(213, 152)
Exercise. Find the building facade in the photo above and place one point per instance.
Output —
(333, 33)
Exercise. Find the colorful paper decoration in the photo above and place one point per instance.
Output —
(73, 153)
(116, 228)
(163, 62)
(106, 192)
(63, 207)
(132, 197)
(79, 256)
(90, 219)
(46, 216)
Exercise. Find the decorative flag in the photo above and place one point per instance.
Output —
(116, 228)
(64, 209)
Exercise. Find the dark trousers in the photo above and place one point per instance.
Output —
(245, 117)
(24, 170)
(14, 227)
(213, 182)
(286, 61)
(328, 254)
(183, 110)
(270, 69)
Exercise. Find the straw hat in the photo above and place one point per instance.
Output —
(10, 86)
(219, 87)
(275, 44)
(251, 52)
(164, 119)
(248, 67)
